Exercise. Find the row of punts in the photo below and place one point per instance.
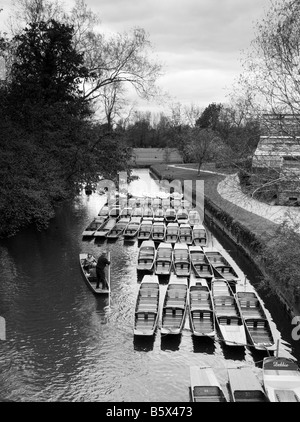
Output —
(240, 319)
(280, 383)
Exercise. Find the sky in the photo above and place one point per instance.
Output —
(198, 42)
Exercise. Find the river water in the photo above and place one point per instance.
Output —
(65, 344)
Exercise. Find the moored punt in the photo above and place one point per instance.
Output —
(228, 318)
(244, 386)
(172, 232)
(145, 230)
(194, 217)
(159, 215)
(163, 261)
(104, 229)
(281, 379)
(170, 215)
(199, 235)
(132, 228)
(175, 305)
(221, 266)
(182, 216)
(200, 264)
(90, 277)
(147, 307)
(93, 226)
(115, 212)
(118, 228)
(146, 256)
(148, 213)
(255, 319)
(185, 234)
(137, 212)
(205, 386)
(158, 231)
(181, 260)
(201, 312)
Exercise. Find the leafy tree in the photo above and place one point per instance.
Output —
(210, 117)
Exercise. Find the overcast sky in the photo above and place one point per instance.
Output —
(199, 42)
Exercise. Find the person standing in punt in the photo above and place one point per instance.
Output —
(100, 271)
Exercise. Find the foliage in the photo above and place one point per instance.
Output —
(209, 117)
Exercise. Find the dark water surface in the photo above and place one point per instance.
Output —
(65, 344)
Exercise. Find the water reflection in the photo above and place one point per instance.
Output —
(170, 342)
(143, 343)
(203, 345)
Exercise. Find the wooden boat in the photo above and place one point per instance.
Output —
(255, 318)
(281, 379)
(170, 215)
(244, 386)
(115, 212)
(90, 276)
(145, 230)
(104, 211)
(132, 228)
(159, 215)
(199, 235)
(200, 265)
(163, 260)
(221, 266)
(104, 229)
(200, 309)
(137, 212)
(146, 256)
(126, 212)
(89, 231)
(182, 216)
(148, 213)
(158, 231)
(194, 217)
(118, 228)
(172, 232)
(175, 305)
(205, 386)
(147, 307)
(227, 314)
(185, 234)
(181, 260)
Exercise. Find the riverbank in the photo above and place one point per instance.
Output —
(249, 231)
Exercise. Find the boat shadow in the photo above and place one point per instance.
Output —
(170, 342)
(203, 345)
(233, 352)
(259, 355)
(143, 343)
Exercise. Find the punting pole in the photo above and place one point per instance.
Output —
(277, 348)
(108, 276)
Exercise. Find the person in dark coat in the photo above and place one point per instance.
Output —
(100, 271)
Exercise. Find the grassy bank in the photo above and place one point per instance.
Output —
(249, 231)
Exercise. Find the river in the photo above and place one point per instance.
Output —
(64, 344)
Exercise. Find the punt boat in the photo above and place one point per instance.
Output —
(182, 216)
(104, 211)
(118, 229)
(244, 386)
(126, 212)
(148, 213)
(185, 234)
(199, 235)
(221, 266)
(104, 229)
(200, 265)
(175, 305)
(255, 318)
(228, 317)
(146, 256)
(89, 231)
(170, 215)
(164, 259)
(181, 260)
(89, 274)
(281, 379)
(159, 215)
(147, 307)
(145, 230)
(159, 231)
(194, 217)
(137, 212)
(205, 386)
(132, 228)
(172, 232)
(115, 212)
(200, 308)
